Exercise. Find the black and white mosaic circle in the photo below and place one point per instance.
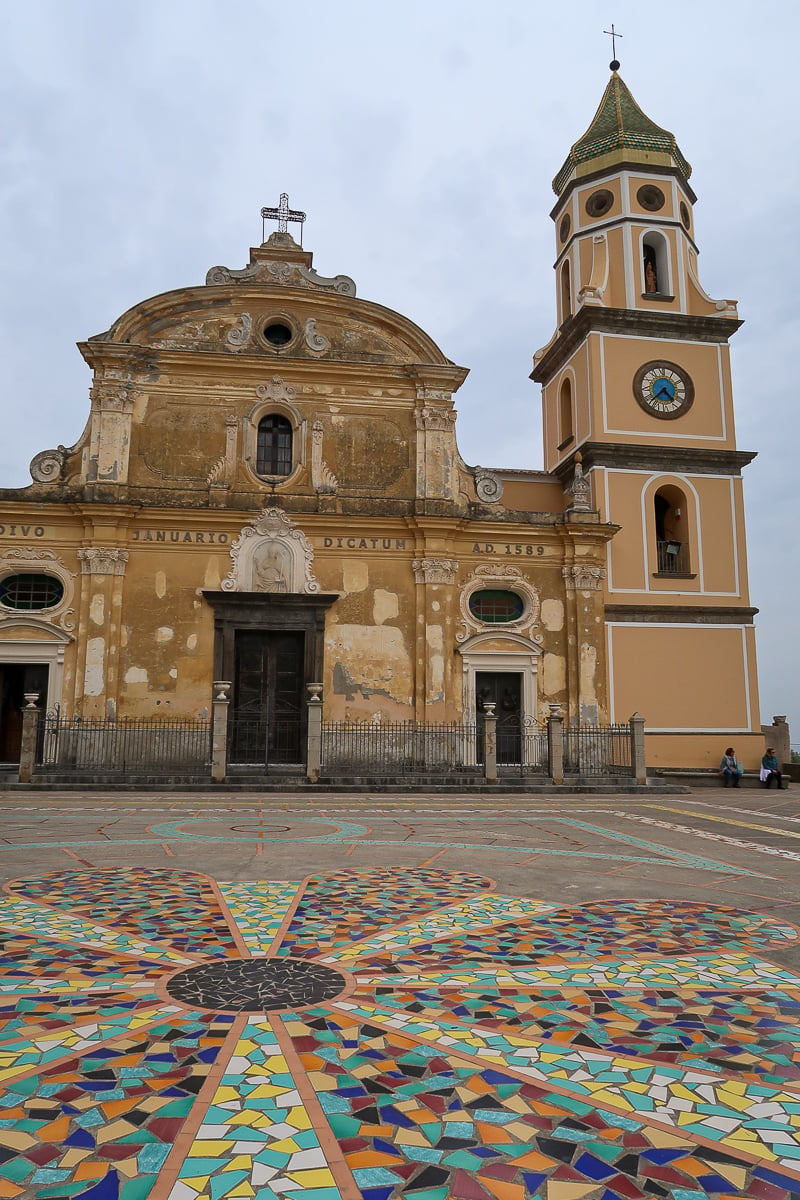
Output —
(255, 984)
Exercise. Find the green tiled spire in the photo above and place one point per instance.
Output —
(620, 132)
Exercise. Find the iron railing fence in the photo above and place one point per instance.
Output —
(398, 748)
(522, 749)
(255, 742)
(128, 746)
(597, 750)
(673, 558)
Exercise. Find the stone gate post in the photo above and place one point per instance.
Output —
(638, 766)
(31, 716)
(314, 753)
(555, 744)
(490, 743)
(219, 730)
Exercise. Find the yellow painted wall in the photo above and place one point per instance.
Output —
(686, 677)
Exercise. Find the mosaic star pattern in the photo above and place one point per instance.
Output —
(389, 1033)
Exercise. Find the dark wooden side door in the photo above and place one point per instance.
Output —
(15, 680)
(266, 725)
(505, 689)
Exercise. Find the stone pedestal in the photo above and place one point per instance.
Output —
(314, 752)
(219, 730)
(490, 743)
(555, 744)
(30, 734)
(638, 767)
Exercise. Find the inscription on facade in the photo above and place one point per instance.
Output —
(514, 549)
(22, 530)
(363, 543)
(180, 535)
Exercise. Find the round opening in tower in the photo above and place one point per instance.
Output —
(277, 333)
(255, 984)
(651, 197)
(599, 202)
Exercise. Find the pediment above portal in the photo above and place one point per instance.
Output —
(513, 643)
(33, 629)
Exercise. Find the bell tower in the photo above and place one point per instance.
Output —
(637, 378)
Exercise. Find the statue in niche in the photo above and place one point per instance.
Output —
(650, 273)
(272, 567)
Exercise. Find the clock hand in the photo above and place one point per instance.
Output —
(662, 389)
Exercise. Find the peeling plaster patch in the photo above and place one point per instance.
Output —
(434, 636)
(385, 606)
(94, 675)
(377, 662)
(435, 605)
(124, 635)
(588, 670)
(191, 641)
(164, 634)
(355, 575)
(161, 584)
(136, 675)
(552, 615)
(212, 577)
(554, 674)
(173, 672)
(97, 610)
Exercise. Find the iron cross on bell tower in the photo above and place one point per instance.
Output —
(283, 215)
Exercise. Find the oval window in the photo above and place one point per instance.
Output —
(30, 591)
(496, 607)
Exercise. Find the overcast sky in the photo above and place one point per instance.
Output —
(140, 140)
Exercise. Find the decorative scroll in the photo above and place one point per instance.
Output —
(240, 334)
(323, 479)
(315, 341)
(276, 390)
(48, 465)
(283, 273)
(488, 486)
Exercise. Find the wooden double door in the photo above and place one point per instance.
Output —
(504, 688)
(267, 719)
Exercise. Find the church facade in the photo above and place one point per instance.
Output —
(269, 491)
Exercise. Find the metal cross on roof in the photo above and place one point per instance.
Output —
(283, 215)
(612, 33)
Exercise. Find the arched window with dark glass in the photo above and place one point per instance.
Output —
(274, 446)
(566, 293)
(566, 428)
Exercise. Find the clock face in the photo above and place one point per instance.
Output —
(663, 389)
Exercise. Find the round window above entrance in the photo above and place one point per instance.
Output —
(29, 592)
(496, 607)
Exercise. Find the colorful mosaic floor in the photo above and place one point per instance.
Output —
(378, 1033)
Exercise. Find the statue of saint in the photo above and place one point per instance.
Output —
(271, 568)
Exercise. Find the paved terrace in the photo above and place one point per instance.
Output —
(491, 999)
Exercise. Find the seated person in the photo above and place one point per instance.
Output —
(730, 768)
(769, 769)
